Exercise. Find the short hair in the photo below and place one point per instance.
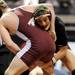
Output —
(40, 10)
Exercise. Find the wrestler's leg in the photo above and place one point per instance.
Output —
(69, 60)
(16, 67)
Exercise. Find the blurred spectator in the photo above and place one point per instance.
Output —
(73, 3)
(64, 3)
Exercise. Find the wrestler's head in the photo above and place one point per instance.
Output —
(42, 17)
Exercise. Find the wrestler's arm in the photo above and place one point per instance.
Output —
(61, 53)
(52, 29)
(5, 34)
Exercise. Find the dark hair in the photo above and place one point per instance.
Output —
(41, 10)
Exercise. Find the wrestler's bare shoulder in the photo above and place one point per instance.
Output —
(10, 21)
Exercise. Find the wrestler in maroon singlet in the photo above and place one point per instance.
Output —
(42, 44)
